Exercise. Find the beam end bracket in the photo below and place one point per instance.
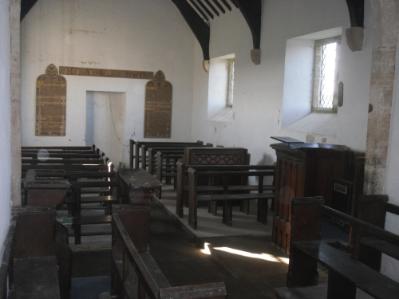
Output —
(355, 38)
(256, 56)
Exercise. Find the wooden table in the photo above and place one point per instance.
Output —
(138, 185)
(36, 278)
(346, 273)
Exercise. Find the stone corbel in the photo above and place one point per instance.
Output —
(354, 38)
(355, 34)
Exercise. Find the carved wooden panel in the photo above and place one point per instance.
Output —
(216, 156)
(80, 71)
(50, 103)
(158, 108)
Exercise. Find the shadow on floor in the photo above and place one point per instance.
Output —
(90, 287)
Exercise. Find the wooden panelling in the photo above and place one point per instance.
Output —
(309, 170)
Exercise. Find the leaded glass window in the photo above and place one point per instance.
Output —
(325, 75)
(230, 83)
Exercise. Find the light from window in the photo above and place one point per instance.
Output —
(325, 75)
(221, 87)
(230, 83)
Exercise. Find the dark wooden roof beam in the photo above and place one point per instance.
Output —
(212, 7)
(205, 8)
(221, 8)
(198, 10)
(235, 3)
(356, 12)
(26, 6)
(197, 25)
(355, 34)
(252, 12)
(226, 4)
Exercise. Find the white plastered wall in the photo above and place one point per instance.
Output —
(139, 35)
(259, 89)
(5, 129)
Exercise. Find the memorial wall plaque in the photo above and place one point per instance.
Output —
(110, 73)
(50, 103)
(158, 107)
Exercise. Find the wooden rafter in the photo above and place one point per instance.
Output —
(199, 10)
(198, 26)
(219, 6)
(213, 8)
(205, 8)
(356, 12)
(252, 12)
(226, 4)
(26, 6)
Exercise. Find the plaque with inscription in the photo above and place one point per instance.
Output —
(158, 107)
(110, 73)
(50, 103)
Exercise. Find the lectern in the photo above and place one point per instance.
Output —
(334, 172)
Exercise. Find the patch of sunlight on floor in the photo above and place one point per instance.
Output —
(260, 256)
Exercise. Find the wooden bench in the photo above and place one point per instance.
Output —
(194, 157)
(44, 192)
(37, 261)
(346, 270)
(374, 209)
(100, 189)
(138, 150)
(166, 166)
(145, 279)
(225, 191)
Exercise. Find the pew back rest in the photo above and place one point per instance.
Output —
(215, 156)
(34, 234)
(144, 277)
(6, 263)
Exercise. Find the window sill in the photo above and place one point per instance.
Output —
(224, 115)
(324, 124)
(325, 111)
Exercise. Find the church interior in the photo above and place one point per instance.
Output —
(182, 149)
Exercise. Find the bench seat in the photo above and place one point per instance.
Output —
(232, 197)
(347, 271)
(88, 220)
(382, 246)
(107, 199)
(314, 292)
(232, 188)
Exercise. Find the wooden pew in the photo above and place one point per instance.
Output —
(58, 148)
(346, 270)
(162, 161)
(130, 250)
(206, 157)
(138, 150)
(374, 209)
(165, 167)
(224, 189)
(149, 151)
(36, 261)
(95, 188)
(89, 172)
(44, 192)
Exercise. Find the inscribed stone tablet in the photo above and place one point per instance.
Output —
(158, 108)
(50, 103)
